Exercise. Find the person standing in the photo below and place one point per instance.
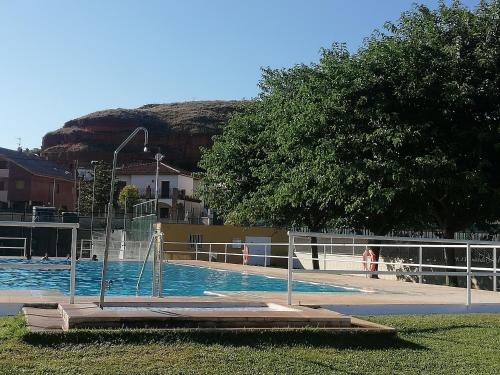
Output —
(246, 253)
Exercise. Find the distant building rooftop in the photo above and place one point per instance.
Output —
(35, 164)
(150, 169)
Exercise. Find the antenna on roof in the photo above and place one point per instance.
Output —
(19, 148)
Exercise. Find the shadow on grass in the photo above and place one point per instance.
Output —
(445, 328)
(281, 338)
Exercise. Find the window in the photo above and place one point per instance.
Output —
(195, 239)
(164, 212)
(165, 190)
(3, 164)
(19, 184)
(57, 188)
(2, 185)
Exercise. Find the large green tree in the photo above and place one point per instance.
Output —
(437, 74)
(299, 156)
(403, 133)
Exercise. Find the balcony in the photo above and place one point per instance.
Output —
(170, 194)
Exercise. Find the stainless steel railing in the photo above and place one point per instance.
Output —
(376, 241)
(71, 267)
(15, 239)
(158, 260)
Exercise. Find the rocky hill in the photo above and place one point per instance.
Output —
(179, 129)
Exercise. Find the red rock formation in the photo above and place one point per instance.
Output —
(179, 129)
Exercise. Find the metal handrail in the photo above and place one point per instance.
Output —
(23, 248)
(423, 265)
(158, 258)
(383, 238)
(467, 271)
(71, 267)
(150, 245)
(467, 245)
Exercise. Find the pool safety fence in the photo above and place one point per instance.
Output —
(43, 266)
(347, 247)
(9, 243)
(216, 250)
(223, 251)
(123, 250)
(419, 269)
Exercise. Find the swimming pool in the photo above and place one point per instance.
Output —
(178, 280)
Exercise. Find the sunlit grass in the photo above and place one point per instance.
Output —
(443, 344)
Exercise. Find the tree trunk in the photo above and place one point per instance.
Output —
(314, 252)
(449, 258)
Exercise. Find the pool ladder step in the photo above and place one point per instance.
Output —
(43, 319)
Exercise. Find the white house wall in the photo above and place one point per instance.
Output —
(186, 183)
(176, 182)
(125, 179)
(142, 181)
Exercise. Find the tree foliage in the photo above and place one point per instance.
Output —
(101, 197)
(404, 133)
(128, 197)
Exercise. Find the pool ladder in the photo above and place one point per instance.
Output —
(157, 242)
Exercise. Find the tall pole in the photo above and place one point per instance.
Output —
(54, 193)
(79, 194)
(110, 208)
(124, 236)
(125, 215)
(158, 158)
(76, 190)
(94, 163)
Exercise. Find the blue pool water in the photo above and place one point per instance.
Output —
(178, 280)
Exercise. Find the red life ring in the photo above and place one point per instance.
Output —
(373, 260)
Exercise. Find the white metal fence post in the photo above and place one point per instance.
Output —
(324, 257)
(196, 250)
(160, 277)
(155, 258)
(25, 247)
(265, 255)
(290, 268)
(210, 252)
(72, 275)
(225, 253)
(420, 264)
(495, 269)
(367, 263)
(469, 277)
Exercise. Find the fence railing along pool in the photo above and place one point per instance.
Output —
(42, 266)
(335, 252)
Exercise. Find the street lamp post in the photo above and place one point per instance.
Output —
(125, 215)
(158, 158)
(110, 208)
(94, 164)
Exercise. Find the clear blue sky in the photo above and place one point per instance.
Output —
(63, 59)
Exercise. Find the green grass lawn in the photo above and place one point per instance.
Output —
(438, 344)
